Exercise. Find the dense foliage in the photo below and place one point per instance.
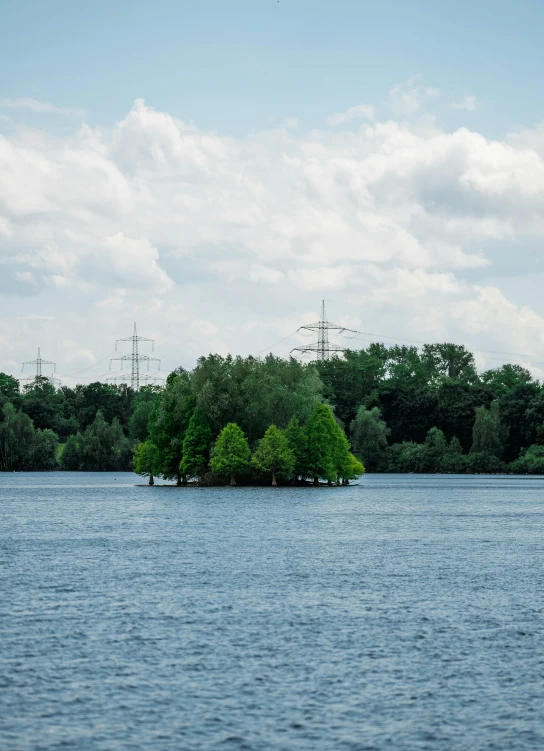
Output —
(429, 410)
(403, 409)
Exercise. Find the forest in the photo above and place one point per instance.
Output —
(251, 420)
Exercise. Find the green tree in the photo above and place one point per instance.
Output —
(505, 379)
(451, 361)
(16, 440)
(455, 409)
(143, 405)
(454, 461)
(297, 441)
(481, 463)
(196, 445)
(169, 421)
(273, 454)
(101, 448)
(405, 457)
(322, 444)
(44, 450)
(112, 400)
(369, 436)
(343, 458)
(435, 449)
(516, 413)
(9, 390)
(146, 460)
(353, 379)
(231, 454)
(487, 433)
(530, 462)
(254, 393)
(351, 469)
(70, 459)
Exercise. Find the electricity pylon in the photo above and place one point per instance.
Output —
(322, 348)
(40, 377)
(135, 359)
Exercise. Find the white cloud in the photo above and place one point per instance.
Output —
(469, 103)
(291, 122)
(362, 111)
(407, 98)
(194, 234)
(34, 105)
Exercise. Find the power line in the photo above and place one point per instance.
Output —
(285, 338)
(98, 362)
(322, 348)
(134, 358)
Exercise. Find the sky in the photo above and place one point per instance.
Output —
(213, 170)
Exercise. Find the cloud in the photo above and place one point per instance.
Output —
(34, 105)
(291, 122)
(407, 98)
(193, 234)
(469, 103)
(362, 111)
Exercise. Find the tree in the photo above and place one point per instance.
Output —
(16, 440)
(231, 454)
(297, 441)
(101, 448)
(254, 393)
(352, 469)
(454, 461)
(434, 450)
(530, 462)
(506, 378)
(112, 400)
(169, 421)
(70, 458)
(487, 433)
(322, 435)
(196, 445)
(143, 404)
(9, 389)
(369, 436)
(448, 360)
(343, 458)
(273, 454)
(455, 409)
(480, 463)
(516, 413)
(405, 457)
(44, 450)
(352, 380)
(146, 460)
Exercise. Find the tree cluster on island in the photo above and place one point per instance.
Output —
(404, 410)
(317, 450)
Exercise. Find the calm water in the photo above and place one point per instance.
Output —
(402, 613)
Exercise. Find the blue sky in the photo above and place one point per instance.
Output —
(232, 64)
(214, 169)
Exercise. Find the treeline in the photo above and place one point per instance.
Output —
(403, 410)
(429, 410)
(90, 427)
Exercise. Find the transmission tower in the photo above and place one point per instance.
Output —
(322, 348)
(38, 363)
(135, 359)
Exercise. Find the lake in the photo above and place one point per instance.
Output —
(403, 612)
